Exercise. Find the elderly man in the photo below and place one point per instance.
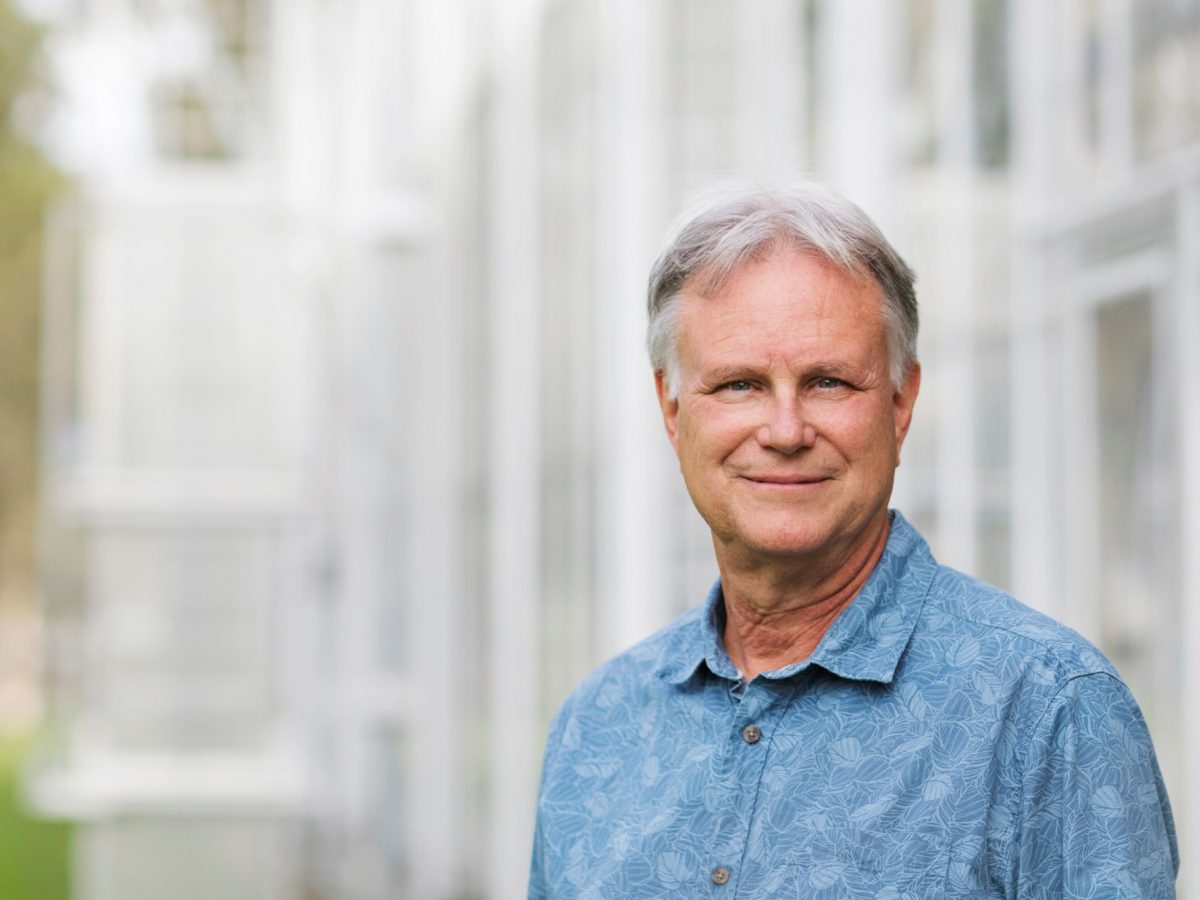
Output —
(843, 717)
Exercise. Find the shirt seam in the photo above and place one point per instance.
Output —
(1019, 824)
(1047, 647)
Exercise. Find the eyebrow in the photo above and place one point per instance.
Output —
(840, 370)
(730, 373)
(721, 374)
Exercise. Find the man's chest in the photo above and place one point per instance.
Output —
(809, 789)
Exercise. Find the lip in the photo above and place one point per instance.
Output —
(786, 481)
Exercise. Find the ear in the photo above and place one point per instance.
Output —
(903, 402)
(670, 408)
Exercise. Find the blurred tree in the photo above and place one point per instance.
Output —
(27, 185)
(35, 861)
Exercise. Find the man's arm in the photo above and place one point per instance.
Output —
(1095, 819)
(539, 886)
(538, 889)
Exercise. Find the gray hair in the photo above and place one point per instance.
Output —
(727, 227)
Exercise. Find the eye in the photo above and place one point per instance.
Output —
(739, 386)
(828, 384)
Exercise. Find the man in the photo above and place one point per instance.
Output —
(843, 717)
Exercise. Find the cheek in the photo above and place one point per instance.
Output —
(706, 437)
(862, 432)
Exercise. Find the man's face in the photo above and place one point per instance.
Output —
(786, 424)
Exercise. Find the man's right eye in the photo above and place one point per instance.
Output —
(738, 386)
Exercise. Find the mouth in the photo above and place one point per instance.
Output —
(786, 481)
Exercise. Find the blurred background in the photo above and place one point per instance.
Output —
(329, 459)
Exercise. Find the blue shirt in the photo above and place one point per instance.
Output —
(942, 741)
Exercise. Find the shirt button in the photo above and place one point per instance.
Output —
(720, 875)
(751, 734)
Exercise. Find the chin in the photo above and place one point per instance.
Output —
(791, 533)
(790, 548)
(785, 541)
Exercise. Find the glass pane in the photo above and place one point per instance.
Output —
(180, 631)
(919, 112)
(1139, 556)
(138, 858)
(389, 808)
(1167, 75)
(993, 445)
(990, 102)
(701, 82)
(208, 93)
(210, 347)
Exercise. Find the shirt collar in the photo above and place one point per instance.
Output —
(863, 644)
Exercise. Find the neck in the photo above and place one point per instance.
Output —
(776, 613)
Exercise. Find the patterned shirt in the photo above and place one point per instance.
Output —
(942, 741)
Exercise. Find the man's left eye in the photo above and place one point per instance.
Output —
(826, 384)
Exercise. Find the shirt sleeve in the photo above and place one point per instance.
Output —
(1095, 818)
(538, 889)
(539, 882)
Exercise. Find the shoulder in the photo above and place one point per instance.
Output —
(978, 634)
(1072, 744)
(976, 645)
(963, 612)
(962, 609)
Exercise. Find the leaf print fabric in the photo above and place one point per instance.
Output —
(942, 741)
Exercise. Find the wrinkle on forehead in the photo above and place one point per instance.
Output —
(804, 324)
(827, 294)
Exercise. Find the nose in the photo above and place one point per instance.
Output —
(787, 429)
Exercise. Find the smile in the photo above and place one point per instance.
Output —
(785, 481)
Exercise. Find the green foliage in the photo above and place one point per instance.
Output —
(35, 864)
(34, 856)
(19, 47)
(27, 186)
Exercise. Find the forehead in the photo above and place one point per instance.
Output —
(788, 300)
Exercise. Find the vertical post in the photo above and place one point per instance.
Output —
(631, 598)
(1188, 339)
(439, 45)
(953, 326)
(1034, 492)
(515, 417)
(1116, 88)
(858, 63)
(856, 72)
(768, 120)
(1071, 154)
(1076, 456)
